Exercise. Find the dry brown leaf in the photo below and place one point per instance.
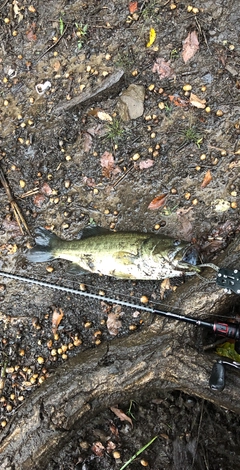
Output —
(113, 429)
(163, 68)
(157, 202)
(38, 200)
(121, 415)
(197, 102)
(177, 101)
(165, 285)
(16, 11)
(87, 142)
(113, 323)
(100, 114)
(103, 116)
(90, 182)
(146, 164)
(110, 446)
(108, 165)
(31, 36)
(46, 189)
(207, 179)
(56, 319)
(56, 66)
(98, 449)
(190, 46)
(133, 6)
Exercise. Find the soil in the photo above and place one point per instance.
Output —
(51, 154)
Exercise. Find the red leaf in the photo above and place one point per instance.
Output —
(157, 202)
(133, 6)
(190, 46)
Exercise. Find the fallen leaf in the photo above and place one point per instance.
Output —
(110, 446)
(177, 101)
(45, 189)
(87, 142)
(163, 68)
(108, 165)
(165, 285)
(186, 227)
(56, 319)
(16, 11)
(133, 6)
(38, 200)
(152, 37)
(113, 323)
(56, 66)
(113, 429)
(158, 202)
(11, 226)
(190, 46)
(146, 164)
(98, 449)
(197, 102)
(206, 180)
(121, 415)
(90, 182)
(31, 36)
(102, 115)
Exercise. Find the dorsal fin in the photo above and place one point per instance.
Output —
(93, 231)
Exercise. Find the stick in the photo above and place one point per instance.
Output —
(16, 210)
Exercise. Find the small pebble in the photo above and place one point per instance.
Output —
(144, 299)
(187, 87)
(40, 360)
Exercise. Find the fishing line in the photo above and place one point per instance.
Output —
(95, 296)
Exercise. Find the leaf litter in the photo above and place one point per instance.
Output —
(190, 46)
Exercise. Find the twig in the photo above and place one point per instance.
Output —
(119, 180)
(17, 213)
(31, 192)
(52, 46)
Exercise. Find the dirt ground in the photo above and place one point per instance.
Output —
(73, 166)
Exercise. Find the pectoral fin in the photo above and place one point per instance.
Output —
(76, 269)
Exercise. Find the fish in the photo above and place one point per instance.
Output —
(122, 255)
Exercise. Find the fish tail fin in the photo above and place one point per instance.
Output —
(46, 242)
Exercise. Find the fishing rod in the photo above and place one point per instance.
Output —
(229, 330)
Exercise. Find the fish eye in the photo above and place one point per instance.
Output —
(176, 242)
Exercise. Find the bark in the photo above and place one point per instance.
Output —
(161, 356)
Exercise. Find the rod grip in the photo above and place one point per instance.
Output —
(231, 330)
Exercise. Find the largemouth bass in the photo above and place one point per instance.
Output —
(124, 255)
